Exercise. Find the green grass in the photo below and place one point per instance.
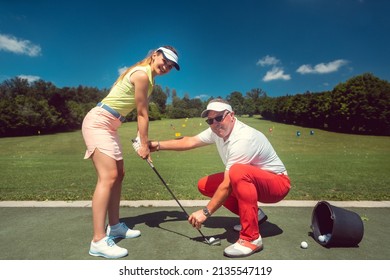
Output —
(329, 166)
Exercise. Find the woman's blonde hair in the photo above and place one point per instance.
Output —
(146, 61)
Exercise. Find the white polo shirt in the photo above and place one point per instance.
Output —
(245, 145)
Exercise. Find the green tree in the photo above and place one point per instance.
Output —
(253, 100)
(361, 105)
(159, 97)
(236, 100)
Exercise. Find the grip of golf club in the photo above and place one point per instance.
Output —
(149, 162)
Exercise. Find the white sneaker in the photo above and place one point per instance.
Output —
(262, 217)
(121, 231)
(243, 248)
(107, 248)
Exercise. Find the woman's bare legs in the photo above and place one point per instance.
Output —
(106, 197)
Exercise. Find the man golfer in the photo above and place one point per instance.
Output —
(253, 173)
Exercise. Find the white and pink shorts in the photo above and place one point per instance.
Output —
(100, 132)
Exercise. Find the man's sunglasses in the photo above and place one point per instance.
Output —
(219, 118)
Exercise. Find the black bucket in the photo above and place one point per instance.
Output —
(345, 227)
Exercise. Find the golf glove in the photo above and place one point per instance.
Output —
(136, 144)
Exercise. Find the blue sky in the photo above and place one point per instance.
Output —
(280, 46)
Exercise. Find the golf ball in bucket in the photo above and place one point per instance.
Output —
(321, 238)
(304, 245)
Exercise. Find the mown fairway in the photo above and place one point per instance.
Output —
(325, 165)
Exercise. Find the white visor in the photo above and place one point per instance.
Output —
(216, 106)
(171, 56)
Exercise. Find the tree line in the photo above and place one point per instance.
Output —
(361, 105)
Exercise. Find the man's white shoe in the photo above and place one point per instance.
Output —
(107, 248)
(121, 231)
(262, 217)
(243, 248)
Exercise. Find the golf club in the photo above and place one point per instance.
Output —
(212, 241)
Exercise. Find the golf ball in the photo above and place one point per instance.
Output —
(321, 238)
(212, 239)
(304, 245)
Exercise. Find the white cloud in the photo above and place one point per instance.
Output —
(276, 74)
(18, 46)
(322, 68)
(268, 60)
(122, 69)
(29, 78)
(202, 96)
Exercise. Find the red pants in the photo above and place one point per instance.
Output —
(249, 186)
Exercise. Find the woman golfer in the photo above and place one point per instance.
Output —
(100, 125)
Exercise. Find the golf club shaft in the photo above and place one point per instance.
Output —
(178, 202)
(166, 186)
(173, 195)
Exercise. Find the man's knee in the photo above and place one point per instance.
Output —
(236, 173)
(202, 184)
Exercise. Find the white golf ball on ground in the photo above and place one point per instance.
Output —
(304, 245)
(211, 239)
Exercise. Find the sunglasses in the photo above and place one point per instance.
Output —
(219, 118)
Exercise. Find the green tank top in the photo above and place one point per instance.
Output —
(121, 97)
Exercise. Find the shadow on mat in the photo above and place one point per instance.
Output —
(156, 219)
(267, 229)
